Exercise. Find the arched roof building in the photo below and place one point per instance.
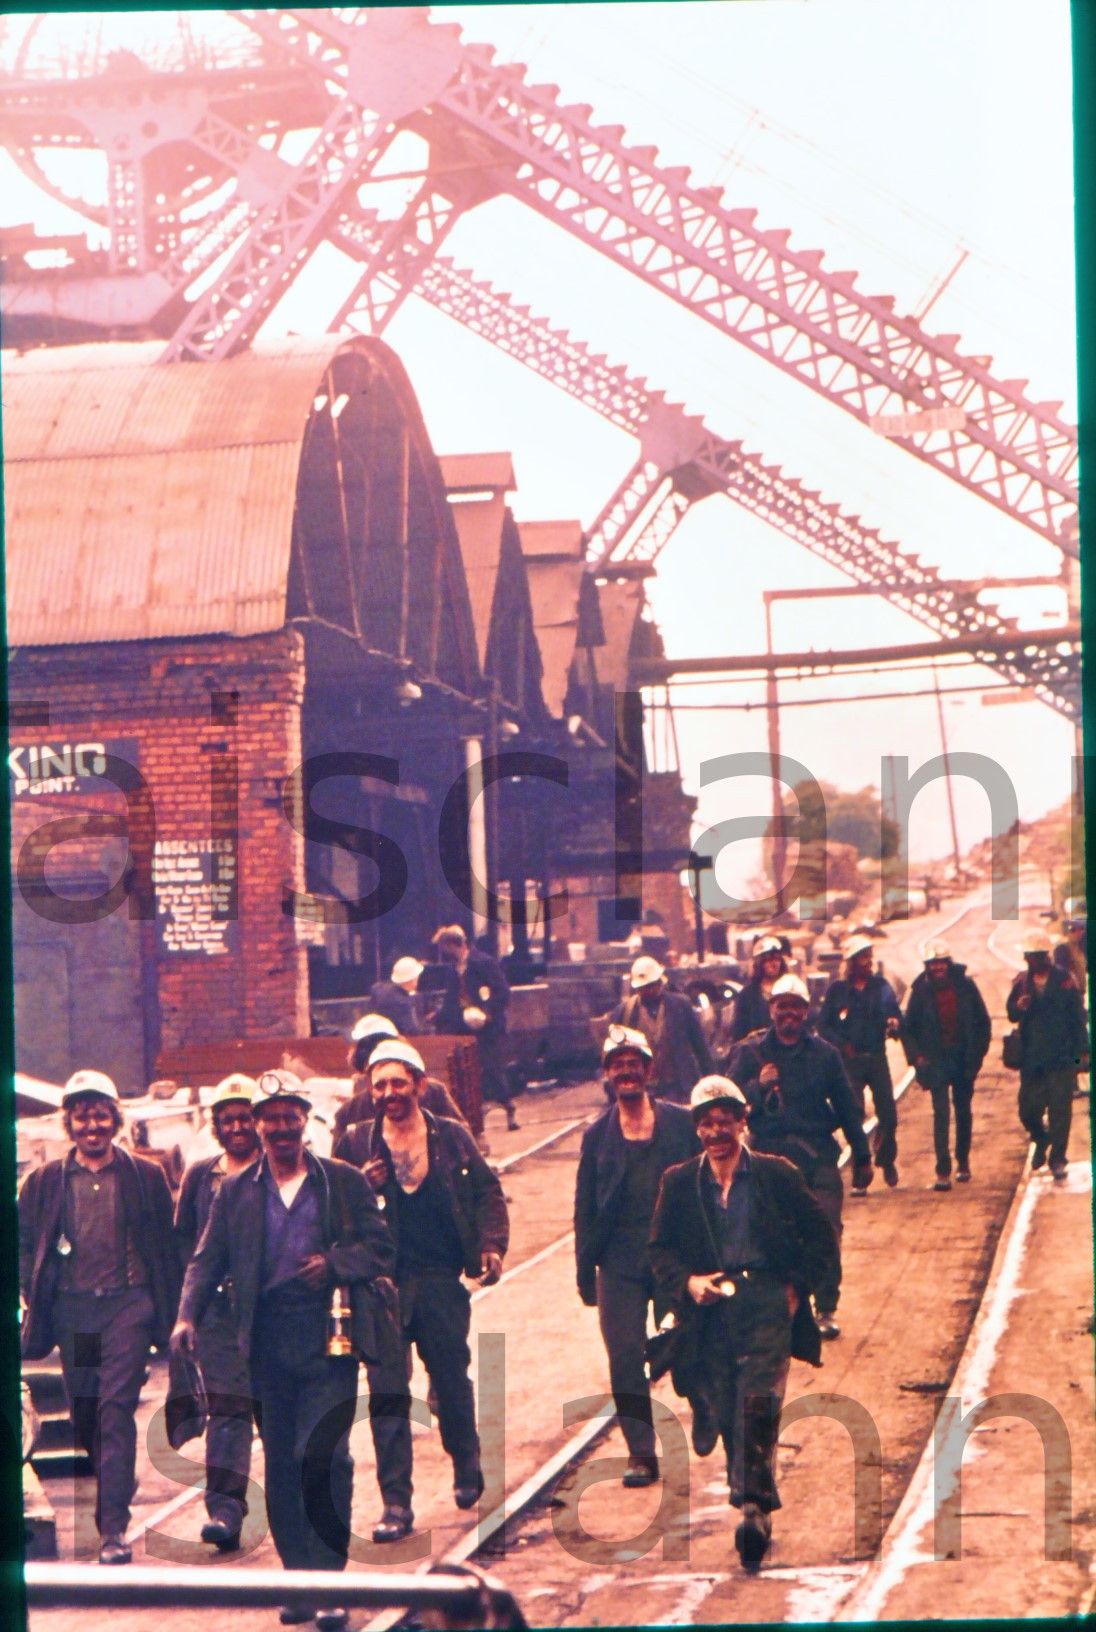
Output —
(219, 574)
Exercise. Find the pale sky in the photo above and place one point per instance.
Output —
(894, 137)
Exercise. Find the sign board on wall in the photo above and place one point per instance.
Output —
(195, 884)
(58, 767)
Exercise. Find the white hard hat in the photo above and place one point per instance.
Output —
(936, 951)
(621, 1037)
(715, 1091)
(234, 1087)
(373, 1025)
(89, 1082)
(399, 1051)
(765, 944)
(405, 971)
(857, 943)
(1034, 941)
(645, 971)
(280, 1084)
(790, 986)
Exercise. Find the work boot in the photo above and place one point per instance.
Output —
(753, 1535)
(512, 1122)
(331, 1620)
(828, 1328)
(890, 1174)
(642, 1470)
(962, 1173)
(468, 1489)
(1058, 1171)
(295, 1614)
(1038, 1155)
(115, 1549)
(395, 1523)
(222, 1537)
(943, 1182)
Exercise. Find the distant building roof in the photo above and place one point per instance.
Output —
(621, 605)
(479, 524)
(478, 472)
(540, 539)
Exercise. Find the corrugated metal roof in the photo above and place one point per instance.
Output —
(145, 501)
(476, 472)
(479, 525)
(551, 538)
(621, 605)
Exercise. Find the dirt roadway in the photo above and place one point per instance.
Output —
(916, 1265)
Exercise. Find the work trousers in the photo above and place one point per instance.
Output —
(950, 1078)
(873, 1071)
(305, 1401)
(742, 1371)
(491, 1049)
(1046, 1108)
(104, 1344)
(227, 1380)
(435, 1308)
(822, 1177)
(622, 1304)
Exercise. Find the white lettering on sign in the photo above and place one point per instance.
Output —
(195, 883)
(41, 767)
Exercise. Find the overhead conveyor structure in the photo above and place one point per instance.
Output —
(361, 77)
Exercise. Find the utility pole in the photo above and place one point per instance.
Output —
(780, 843)
(947, 773)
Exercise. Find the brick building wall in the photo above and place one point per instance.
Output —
(213, 725)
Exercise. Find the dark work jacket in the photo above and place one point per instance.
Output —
(797, 1239)
(359, 1113)
(472, 1191)
(482, 975)
(876, 1005)
(357, 1244)
(146, 1204)
(1053, 1032)
(751, 1011)
(600, 1183)
(815, 1093)
(195, 1199)
(386, 998)
(921, 1025)
(681, 1051)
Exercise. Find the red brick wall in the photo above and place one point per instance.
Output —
(162, 695)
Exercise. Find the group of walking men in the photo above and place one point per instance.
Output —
(279, 1272)
(732, 1242)
(716, 1198)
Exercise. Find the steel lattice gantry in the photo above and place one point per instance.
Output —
(812, 323)
(393, 69)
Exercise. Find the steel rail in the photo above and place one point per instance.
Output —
(89, 1586)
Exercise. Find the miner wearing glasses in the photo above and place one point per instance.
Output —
(737, 1245)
